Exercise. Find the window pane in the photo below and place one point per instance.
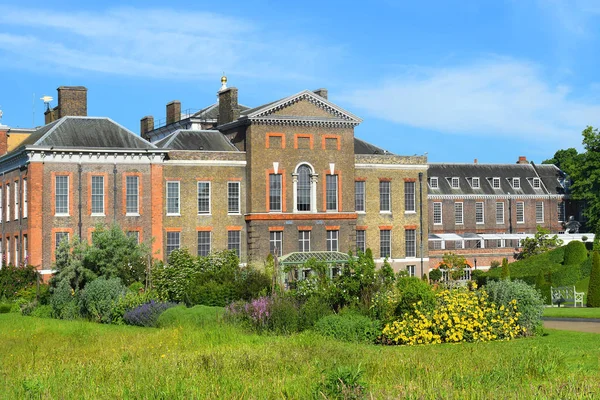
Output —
(360, 241)
(233, 197)
(384, 196)
(561, 211)
(61, 193)
(59, 237)
(359, 196)
(135, 235)
(97, 195)
(132, 195)
(304, 188)
(203, 197)
(25, 206)
(479, 217)
(458, 213)
(409, 196)
(332, 240)
(384, 243)
(276, 243)
(203, 243)
(172, 241)
(303, 241)
(499, 213)
(411, 243)
(520, 212)
(437, 213)
(16, 192)
(331, 186)
(539, 212)
(233, 241)
(172, 197)
(275, 192)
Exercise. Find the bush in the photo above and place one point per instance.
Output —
(342, 383)
(98, 298)
(195, 317)
(13, 279)
(566, 275)
(349, 327)
(460, 315)
(278, 314)
(435, 275)
(5, 308)
(593, 295)
(64, 302)
(42, 311)
(529, 301)
(411, 292)
(284, 317)
(575, 253)
(209, 293)
(128, 302)
(312, 310)
(505, 273)
(147, 314)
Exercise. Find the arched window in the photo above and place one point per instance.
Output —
(304, 188)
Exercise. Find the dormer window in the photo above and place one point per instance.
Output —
(496, 183)
(433, 182)
(475, 183)
(454, 183)
(536, 183)
(516, 183)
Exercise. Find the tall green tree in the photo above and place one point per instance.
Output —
(505, 273)
(540, 243)
(567, 160)
(593, 294)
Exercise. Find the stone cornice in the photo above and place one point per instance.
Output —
(495, 196)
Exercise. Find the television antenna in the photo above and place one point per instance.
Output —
(47, 100)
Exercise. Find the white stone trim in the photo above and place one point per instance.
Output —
(208, 163)
(391, 166)
(495, 196)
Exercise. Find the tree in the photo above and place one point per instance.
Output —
(593, 294)
(455, 264)
(435, 275)
(540, 243)
(567, 161)
(505, 273)
(70, 267)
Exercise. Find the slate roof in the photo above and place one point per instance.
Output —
(85, 132)
(211, 112)
(208, 140)
(362, 147)
(486, 172)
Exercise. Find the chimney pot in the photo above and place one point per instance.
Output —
(522, 160)
(72, 101)
(321, 92)
(173, 112)
(146, 125)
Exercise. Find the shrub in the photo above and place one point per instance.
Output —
(42, 311)
(460, 316)
(278, 314)
(411, 291)
(147, 314)
(349, 327)
(209, 293)
(312, 310)
(593, 295)
(479, 277)
(575, 253)
(284, 316)
(435, 275)
(342, 383)
(128, 302)
(64, 302)
(494, 264)
(505, 274)
(5, 308)
(98, 298)
(13, 279)
(529, 302)
(566, 275)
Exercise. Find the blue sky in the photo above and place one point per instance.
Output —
(457, 79)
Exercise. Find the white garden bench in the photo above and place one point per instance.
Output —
(566, 294)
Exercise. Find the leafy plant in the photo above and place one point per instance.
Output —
(64, 302)
(342, 383)
(575, 253)
(435, 275)
(593, 295)
(455, 264)
(14, 279)
(505, 274)
(349, 327)
(147, 314)
(540, 243)
(99, 297)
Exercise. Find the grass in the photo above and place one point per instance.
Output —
(196, 355)
(572, 312)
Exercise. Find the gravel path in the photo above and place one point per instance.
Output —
(573, 324)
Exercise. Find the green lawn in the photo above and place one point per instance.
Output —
(572, 312)
(197, 356)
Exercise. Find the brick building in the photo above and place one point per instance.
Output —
(483, 211)
(283, 177)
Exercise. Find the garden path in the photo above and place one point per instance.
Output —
(573, 324)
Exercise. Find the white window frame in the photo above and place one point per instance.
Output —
(410, 251)
(276, 243)
(171, 246)
(475, 182)
(381, 255)
(479, 204)
(433, 182)
(411, 270)
(97, 214)
(536, 183)
(496, 183)
(561, 211)
(62, 214)
(516, 183)
(230, 243)
(459, 216)
(1, 204)
(25, 254)
(537, 207)
(7, 197)
(313, 188)
(175, 211)
(522, 212)
(435, 204)
(57, 241)
(209, 242)
(303, 239)
(360, 198)
(16, 242)
(455, 182)
(208, 212)
(382, 197)
(274, 193)
(137, 195)
(410, 201)
(8, 254)
(327, 205)
(500, 221)
(25, 204)
(333, 240)
(363, 241)
(230, 197)
(16, 199)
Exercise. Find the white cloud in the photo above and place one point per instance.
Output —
(495, 97)
(158, 43)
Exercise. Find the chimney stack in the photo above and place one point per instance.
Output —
(146, 125)
(228, 106)
(72, 101)
(522, 160)
(475, 161)
(173, 112)
(321, 92)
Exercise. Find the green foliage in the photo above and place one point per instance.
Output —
(479, 277)
(455, 265)
(13, 279)
(413, 291)
(575, 253)
(494, 264)
(349, 327)
(505, 274)
(128, 302)
(315, 308)
(5, 308)
(70, 266)
(540, 243)
(284, 316)
(593, 294)
(99, 297)
(64, 302)
(42, 311)
(194, 317)
(342, 383)
(529, 301)
(566, 160)
(435, 275)
(543, 287)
